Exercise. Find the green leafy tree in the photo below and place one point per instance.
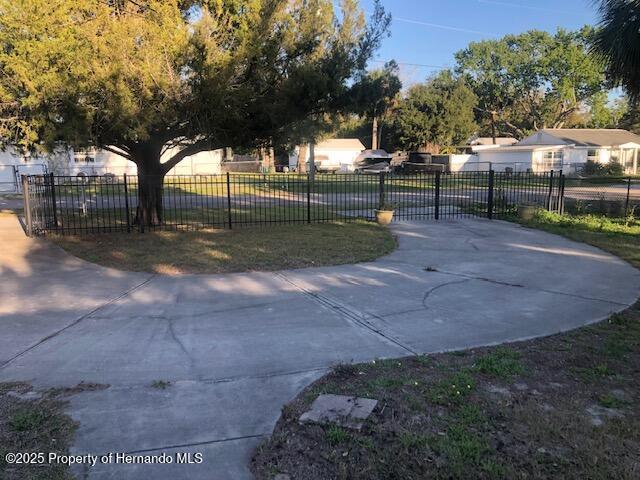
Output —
(532, 80)
(630, 119)
(375, 93)
(617, 41)
(439, 111)
(169, 78)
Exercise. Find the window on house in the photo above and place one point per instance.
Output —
(551, 160)
(593, 155)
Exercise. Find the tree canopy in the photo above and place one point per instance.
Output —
(175, 77)
(532, 80)
(374, 95)
(439, 111)
(617, 41)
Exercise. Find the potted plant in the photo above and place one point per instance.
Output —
(384, 214)
(527, 211)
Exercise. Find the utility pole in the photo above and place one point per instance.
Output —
(493, 125)
(312, 161)
(374, 133)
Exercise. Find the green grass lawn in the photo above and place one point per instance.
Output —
(565, 406)
(220, 251)
(618, 236)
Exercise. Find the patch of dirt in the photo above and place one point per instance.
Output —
(33, 422)
(526, 410)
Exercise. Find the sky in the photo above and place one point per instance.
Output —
(427, 33)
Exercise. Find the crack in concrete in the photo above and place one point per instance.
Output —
(517, 285)
(181, 345)
(354, 316)
(431, 290)
(76, 321)
(196, 444)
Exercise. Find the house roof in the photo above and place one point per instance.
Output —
(585, 137)
(521, 148)
(489, 141)
(341, 144)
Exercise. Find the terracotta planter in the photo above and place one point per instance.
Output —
(526, 212)
(384, 217)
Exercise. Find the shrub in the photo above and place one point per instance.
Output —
(592, 168)
(611, 169)
(614, 169)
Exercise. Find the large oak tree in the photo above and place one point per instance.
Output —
(152, 78)
(532, 80)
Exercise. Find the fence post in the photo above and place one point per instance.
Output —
(27, 205)
(550, 191)
(308, 198)
(126, 204)
(490, 195)
(54, 205)
(437, 195)
(561, 195)
(16, 178)
(229, 201)
(381, 199)
(626, 202)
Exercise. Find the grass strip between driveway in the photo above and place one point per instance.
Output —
(243, 249)
(565, 406)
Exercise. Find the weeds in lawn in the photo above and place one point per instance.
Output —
(386, 383)
(344, 370)
(594, 373)
(410, 440)
(337, 435)
(617, 347)
(462, 447)
(611, 401)
(470, 415)
(28, 418)
(423, 359)
(160, 384)
(453, 389)
(502, 362)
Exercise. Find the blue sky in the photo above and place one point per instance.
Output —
(429, 32)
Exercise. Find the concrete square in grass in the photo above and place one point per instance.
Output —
(343, 410)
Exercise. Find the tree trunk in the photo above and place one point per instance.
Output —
(312, 162)
(374, 133)
(149, 212)
(302, 157)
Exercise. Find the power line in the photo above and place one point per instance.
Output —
(425, 65)
(443, 27)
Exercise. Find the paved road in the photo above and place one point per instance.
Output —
(237, 347)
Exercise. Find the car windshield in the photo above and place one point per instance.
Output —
(373, 161)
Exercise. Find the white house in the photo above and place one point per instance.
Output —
(336, 151)
(566, 149)
(13, 165)
(100, 162)
(88, 162)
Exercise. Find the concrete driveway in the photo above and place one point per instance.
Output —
(237, 347)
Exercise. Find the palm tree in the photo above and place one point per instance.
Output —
(617, 41)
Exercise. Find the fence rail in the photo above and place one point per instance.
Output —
(70, 205)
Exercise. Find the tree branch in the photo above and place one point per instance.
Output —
(192, 149)
(117, 150)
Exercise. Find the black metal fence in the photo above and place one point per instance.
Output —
(608, 196)
(95, 204)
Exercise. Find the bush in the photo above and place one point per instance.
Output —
(614, 169)
(592, 168)
(611, 169)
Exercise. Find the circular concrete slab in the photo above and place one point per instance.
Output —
(236, 347)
